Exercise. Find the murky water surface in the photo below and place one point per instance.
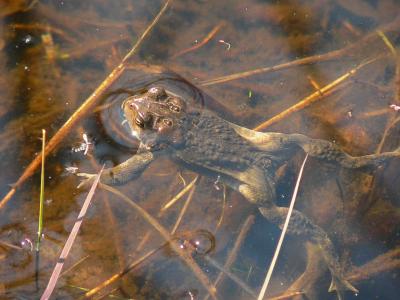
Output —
(55, 53)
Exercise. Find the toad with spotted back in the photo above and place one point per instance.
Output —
(243, 159)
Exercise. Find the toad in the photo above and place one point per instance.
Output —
(243, 159)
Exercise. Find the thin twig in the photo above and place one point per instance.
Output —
(179, 195)
(289, 295)
(232, 276)
(70, 241)
(336, 54)
(9, 245)
(208, 37)
(317, 95)
(183, 210)
(283, 233)
(298, 62)
(80, 288)
(221, 218)
(75, 265)
(85, 108)
(117, 276)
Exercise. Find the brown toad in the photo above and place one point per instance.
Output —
(243, 159)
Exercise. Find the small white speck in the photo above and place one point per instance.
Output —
(350, 114)
(225, 43)
(71, 170)
(27, 39)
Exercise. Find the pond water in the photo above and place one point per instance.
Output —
(340, 57)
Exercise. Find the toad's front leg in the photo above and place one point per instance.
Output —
(122, 173)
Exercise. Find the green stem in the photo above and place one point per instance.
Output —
(40, 226)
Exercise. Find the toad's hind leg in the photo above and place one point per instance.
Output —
(328, 151)
(262, 195)
(302, 226)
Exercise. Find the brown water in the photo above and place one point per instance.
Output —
(54, 54)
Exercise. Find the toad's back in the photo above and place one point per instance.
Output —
(211, 142)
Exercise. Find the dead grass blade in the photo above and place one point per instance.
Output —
(117, 276)
(298, 62)
(289, 295)
(307, 60)
(283, 233)
(184, 209)
(179, 195)
(85, 108)
(208, 37)
(186, 257)
(75, 265)
(232, 276)
(233, 253)
(221, 218)
(70, 241)
(316, 96)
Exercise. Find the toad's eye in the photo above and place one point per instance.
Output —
(167, 122)
(157, 93)
(175, 108)
(139, 122)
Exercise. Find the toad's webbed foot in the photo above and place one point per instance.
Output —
(128, 170)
